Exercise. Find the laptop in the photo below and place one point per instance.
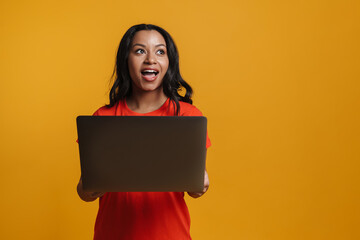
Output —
(142, 153)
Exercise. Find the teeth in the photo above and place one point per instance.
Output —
(150, 71)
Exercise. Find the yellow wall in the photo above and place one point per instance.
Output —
(278, 81)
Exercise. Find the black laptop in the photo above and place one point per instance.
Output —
(142, 153)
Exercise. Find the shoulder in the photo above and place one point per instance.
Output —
(186, 109)
(106, 111)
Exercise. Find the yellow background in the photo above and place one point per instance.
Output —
(278, 81)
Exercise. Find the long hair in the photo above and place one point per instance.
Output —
(172, 81)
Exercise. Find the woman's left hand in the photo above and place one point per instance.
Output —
(206, 186)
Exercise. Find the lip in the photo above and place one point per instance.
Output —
(149, 78)
(155, 69)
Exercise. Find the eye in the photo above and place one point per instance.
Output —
(160, 51)
(140, 51)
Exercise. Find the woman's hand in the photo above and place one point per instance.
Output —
(206, 186)
(87, 196)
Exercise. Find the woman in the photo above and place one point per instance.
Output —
(147, 84)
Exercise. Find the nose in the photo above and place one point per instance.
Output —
(150, 59)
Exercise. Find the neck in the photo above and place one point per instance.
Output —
(144, 102)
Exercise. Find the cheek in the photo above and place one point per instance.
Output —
(165, 65)
(132, 68)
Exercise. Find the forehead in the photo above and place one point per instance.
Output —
(148, 38)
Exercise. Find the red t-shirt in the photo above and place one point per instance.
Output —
(144, 215)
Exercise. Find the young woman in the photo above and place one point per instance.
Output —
(147, 84)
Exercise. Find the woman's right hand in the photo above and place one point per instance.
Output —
(87, 196)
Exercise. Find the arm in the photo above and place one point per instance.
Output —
(87, 196)
(193, 111)
(206, 186)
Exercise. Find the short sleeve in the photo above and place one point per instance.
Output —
(190, 110)
(208, 142)
(96, 113)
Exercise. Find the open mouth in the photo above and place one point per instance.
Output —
(149, 73)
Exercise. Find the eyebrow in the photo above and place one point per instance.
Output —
(142, 45)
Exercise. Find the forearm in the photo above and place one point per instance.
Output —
(87, 196)
(206, 186)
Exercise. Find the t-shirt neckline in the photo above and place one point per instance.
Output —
(161, 108)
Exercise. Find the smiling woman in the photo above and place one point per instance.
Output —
(135, 43)
(148, 63)
(147, 83)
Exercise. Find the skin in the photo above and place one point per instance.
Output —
(148, 50)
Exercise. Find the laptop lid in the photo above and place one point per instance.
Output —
(142, 153)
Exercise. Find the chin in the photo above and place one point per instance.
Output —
(148, 88)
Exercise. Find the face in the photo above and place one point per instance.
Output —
(148, 60)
